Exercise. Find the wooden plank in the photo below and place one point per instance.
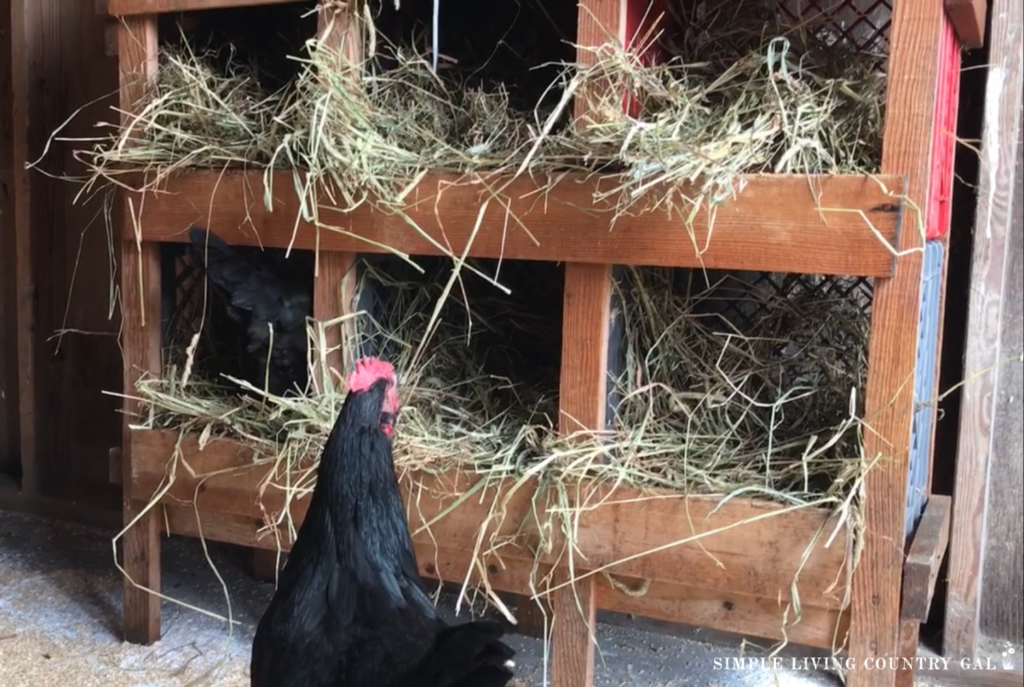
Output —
(1002, 608)
(24, 16)
(790, 234)
(920, 573)
(968, 18)
(9, 423)
(747, 547)
(141, 339)
(583, 382)
(334, 291)
(727, 612)
(984, 352)
(573, 625)
(921, 569)
(144, 7)
(915, 41)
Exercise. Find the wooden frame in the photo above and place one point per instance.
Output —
(1004, 97)
(836, 244)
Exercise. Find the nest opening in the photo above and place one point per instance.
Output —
(236, 316)
(480, 385)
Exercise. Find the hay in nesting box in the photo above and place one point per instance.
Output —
(744, 91)
(733, 389)
(767, 403)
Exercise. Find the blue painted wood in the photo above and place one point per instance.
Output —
(924, 384)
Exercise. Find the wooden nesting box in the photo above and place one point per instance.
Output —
(740, 577)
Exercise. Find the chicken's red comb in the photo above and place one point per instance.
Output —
(368, 371)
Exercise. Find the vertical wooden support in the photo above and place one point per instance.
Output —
(983, 355)
(335, 285)
(583, 389)
(23, 79)
(141, 344)
(889, 402)
(573, 619)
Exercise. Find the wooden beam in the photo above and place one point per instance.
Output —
(573, 630)
(727, 612)
(968, 18)
(921, 570)
(1001, 130)
(154, 7)
(141, 344)
(760, 558)
(334, 290)
(791, 235)
(582, 395)
(915, 40)
(22, 35)
(920, 573)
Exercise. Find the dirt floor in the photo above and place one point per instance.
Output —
(60, 598)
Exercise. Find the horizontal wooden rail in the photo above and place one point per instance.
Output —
(125, 8)
(758, 555)
(677, 603)
(780, 223)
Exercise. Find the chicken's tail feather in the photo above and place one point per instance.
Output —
(468, 655)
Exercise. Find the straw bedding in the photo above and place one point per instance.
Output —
(765, 405)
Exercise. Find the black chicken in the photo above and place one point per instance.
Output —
(270, 296)
(350, 609)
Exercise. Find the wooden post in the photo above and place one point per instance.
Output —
(583, 389)
(335, 285)
(983, 354)
(141, 344)
(889, 399)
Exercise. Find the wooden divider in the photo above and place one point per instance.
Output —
(141, 342)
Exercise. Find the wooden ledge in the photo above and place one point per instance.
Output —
(774, 224)
(921, 569)
(125, 8)
(750, 547)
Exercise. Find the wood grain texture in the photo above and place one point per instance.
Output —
(924, 558)
(586, 317)
(968, 17)
(9, 424)
(141, 346)
(573, 625)
(915, 40)
(334, 290)
(147, 7)
(773, 225)
(65, 425)
(334, 293)
(1002, 607)
(26, 17)
(760, 557)
(724, 611)
(989, 262)
(599, 22)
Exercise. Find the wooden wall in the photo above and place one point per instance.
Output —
(8, 345)
(66, 424)
(984, 563)
(1002, 604)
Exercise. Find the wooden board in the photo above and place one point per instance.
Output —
(772, 225)
(134, 7)
(968, 17)
(758, 558)
(676, 603)
(915, 40)
(983, 354)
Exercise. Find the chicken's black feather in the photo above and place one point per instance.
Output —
(350, 608)
(271, 297)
